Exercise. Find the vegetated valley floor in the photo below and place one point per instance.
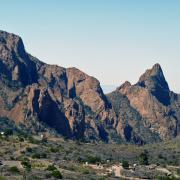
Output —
(29, 157)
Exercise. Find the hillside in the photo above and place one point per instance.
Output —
(49, 99)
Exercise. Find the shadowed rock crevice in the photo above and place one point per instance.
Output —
(128, 132)
(50, 114)
(72, 92)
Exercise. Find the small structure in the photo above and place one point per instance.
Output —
(134, 167)
(42, 136)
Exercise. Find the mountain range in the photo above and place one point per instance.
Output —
(43, 98)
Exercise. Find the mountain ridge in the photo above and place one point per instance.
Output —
(72, 103)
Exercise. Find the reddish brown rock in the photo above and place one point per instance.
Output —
(50, 98)
(46, 93)
(144, 97)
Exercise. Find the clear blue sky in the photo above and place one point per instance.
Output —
(113, 40)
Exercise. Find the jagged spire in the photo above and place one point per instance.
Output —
(153, 79)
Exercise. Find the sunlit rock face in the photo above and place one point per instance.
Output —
(49, 94)
(68, 102)
(157, 107)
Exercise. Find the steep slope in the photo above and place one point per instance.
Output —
(36, 94)
(154, 80)
(43, 98)
(15, 64)
(157, 107)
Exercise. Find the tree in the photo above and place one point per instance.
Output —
(125, 164)
(56, 174)
(143, 158)
(14, 169)
(8, 132)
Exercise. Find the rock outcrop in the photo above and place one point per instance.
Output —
(66, 101)
(60, 98)
(151, 98)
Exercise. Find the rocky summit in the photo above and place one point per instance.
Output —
(42, 98)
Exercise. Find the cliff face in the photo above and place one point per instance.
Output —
(33, 91)
(45, 97)
(157, 107)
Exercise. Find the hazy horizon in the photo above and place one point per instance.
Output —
(114, 41)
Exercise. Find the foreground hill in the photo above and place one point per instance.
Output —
(43, 98)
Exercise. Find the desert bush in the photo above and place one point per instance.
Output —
(43, 155)
(125, 164)
(93, 159)
(36, 156)
(178, 172)
(33, 141)
(28, 149)
(143, 158)
(14, 169)
(53, 150)
(56, 174)
(8, 132)
(26, 164)
(51, 168)
(82, 169)
(21, 139)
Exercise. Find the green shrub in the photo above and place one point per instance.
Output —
(54, 150)
(43, 155)
(39, 156)
(160, 156)
(36, 156)
(56, 174)
(93, 159)
(81, 169)
(85, 171)
(14, 169)
(8, 132)
(178, 172)
(28, 149)
(125, 164)
(81, 160)
(51, 168)
(26, 164)
(21, 139)
(33, 141)
(143, 158)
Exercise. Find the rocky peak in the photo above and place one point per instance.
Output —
(72, 103)
(153, 80)
(11, 42)
(87, 88)
(124, 87)
(15, 63)
(154, 77)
